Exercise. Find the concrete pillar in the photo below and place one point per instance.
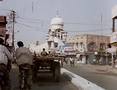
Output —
(84, 59)
(52, 44)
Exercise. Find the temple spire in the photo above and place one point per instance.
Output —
(57, 12)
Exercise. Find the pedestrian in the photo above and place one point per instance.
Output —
(5, 58)
(66, 60)
(71, 61)
(24, 58)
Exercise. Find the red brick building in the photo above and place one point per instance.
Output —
(3, 23)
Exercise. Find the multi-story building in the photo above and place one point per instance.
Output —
(87, 46)
(88, 42)
(113, 41)
(56, 33)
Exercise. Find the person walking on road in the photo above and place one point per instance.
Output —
(5, 58)
(24, 58)
(71, 62)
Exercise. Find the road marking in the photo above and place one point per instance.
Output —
(80, 82)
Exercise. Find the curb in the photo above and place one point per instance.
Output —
(80, 82)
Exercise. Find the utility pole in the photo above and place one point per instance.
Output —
(13, 13)
(113, 24)
(101, 47)
(101, 24)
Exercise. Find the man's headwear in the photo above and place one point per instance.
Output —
(1, 41)
(20, 44)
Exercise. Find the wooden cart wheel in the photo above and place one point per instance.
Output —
(57, 71)
(34, 73)
(34, 76)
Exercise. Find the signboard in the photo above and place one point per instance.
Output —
(70, 44)
(114, 11)
(113, 38)
(69, 49)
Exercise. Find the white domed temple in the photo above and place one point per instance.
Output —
(56, 33)
(57, 37)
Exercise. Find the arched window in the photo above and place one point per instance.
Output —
(81, 44)
(102, 45)
(91, 46)
(77, 44)
(56, 45)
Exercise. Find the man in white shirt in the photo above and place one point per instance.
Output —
(24, 58)
(71, 61)
(23, 54)
(4, 53)
(5, 57)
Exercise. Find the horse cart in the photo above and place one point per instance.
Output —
(47, 64)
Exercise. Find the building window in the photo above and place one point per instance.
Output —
(77, 45)
(56, 45)
(102, 45)
(81, 44)
(91, 46)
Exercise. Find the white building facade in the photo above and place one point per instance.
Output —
(57, 35)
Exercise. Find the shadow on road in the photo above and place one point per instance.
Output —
(45, 81)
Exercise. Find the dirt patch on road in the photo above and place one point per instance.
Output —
(101, 70)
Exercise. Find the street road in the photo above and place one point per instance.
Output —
(102, 78)
(46, 82)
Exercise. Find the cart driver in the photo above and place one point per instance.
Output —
(44, 53)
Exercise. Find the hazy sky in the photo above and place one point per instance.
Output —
(80, 17)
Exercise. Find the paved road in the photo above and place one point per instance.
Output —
(101, 78)
(46, 82)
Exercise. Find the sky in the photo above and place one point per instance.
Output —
(33, 17)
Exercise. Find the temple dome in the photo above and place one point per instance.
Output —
(57, 21)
